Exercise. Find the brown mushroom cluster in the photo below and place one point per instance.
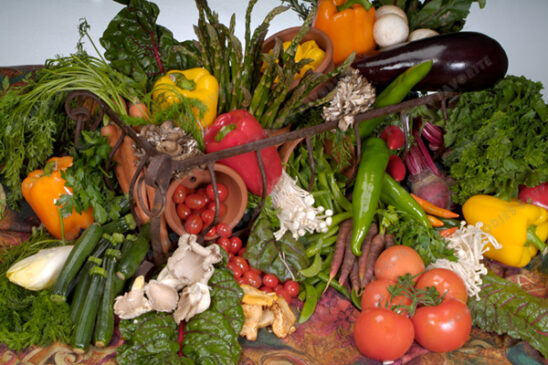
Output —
(169, 139)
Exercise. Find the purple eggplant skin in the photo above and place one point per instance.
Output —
(462, 61)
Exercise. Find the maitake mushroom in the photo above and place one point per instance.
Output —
(265, 309)
(189, 268)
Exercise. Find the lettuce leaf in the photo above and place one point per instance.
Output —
(505, 308)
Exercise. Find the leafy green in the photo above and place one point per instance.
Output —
(26, 317)
(302, 8)
(505, 308)
(498, 140)
(86, 177)
(139, 48)
(443, 16)
(283, 258)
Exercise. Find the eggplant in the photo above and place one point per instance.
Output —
(462, 61)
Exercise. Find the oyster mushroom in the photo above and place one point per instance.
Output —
(193, 300)
(133, 303)
(162, 297)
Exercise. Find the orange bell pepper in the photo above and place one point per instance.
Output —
(42, 188)
(349, 24)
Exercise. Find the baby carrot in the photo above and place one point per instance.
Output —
(434, 209)
(434, 222)
(448, 231)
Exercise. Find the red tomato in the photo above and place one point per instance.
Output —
(224, 242)
(442, 328)
(253, 279)
(270, 281)
(292, 287)
(241, 262)
(224, 230)
(179, 194)
(207, 216)
(376, 295)
(280, 291)
(196, 201)
(221, 190)
(237, 270)
(397, 261)
(235, 245)
(183, 211)
(445, 281)
(204, 193)
(211, 233)
(222, 208)
(383, 335)
(194, 224)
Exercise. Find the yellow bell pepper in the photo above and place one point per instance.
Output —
(520, 228)
(42, 188)
(195, 83)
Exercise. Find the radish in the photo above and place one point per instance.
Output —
(396, 168)
(393, 136)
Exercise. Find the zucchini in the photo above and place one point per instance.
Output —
(104, 325)
(121, 225)
(82, 287)
(134, 254)
(83, 247)
(85, 322)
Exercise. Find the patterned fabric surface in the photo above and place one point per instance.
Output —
(325, 339)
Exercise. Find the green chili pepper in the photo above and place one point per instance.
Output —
(367, 189)
(395, 92)
(394, 194)
(310, 302)
(356, 300)
(449, 222)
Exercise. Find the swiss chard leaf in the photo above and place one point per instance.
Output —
(504, 307)
(138, 47)
(281, 258)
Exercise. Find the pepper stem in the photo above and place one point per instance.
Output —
(533, 239)
(182, 82)
(365, 3)
(224, 131)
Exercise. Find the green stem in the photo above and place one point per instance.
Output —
(533, 239)
(366, 4)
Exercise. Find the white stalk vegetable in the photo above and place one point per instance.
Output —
(39, 271)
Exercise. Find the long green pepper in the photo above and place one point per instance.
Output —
(367, 189)
(394, 194)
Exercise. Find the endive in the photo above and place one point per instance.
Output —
(39, 271)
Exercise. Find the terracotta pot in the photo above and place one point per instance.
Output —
(236, 201)
(323, 41)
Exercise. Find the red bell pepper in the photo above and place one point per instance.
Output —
(537, 195)
(236, 128)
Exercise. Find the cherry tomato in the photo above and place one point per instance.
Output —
(292, 288)
(252, 278)
(397, 261)
(266, 289)
(270, 281)
(211, 233)
(235, 245)
(202, 191)
(179, 194)
(222, 208)
(237, 270)
(383, 335)
(224, 242)
(445, 281)
(183, 211)
(221, 190)
(207, 216)
(194, 224)
(376, 295)
(281, 292)
(254, 269)
(241, 262)
(241, 251)
(442, 328)
(195, 201)
(224, 230)
(240, 280)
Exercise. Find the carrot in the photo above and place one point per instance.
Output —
(432, 209)
(362, 261)
(348, 261)
(434, 222)
(388, 241)
(355, 277)
(139, 110)
(377, 245)
(448, 231)
(344, 231)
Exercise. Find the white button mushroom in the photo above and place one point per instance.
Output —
(390, 9)
(390, 29)
(421, 33)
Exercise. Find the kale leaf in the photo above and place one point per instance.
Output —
(505, 308)
(137, 47)
(498, 140)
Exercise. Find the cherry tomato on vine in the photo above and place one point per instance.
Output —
(252, 278)
(292, 287)
(376, 295)
(179, 194)
(445, 281)
(224, 230)
(183, 211)
(222, 208)
(194, 224)
(383, 335)
(444, 327)
(196, 201)
(270, 281)
(397, 261)
(221, 190)
(235, 245)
